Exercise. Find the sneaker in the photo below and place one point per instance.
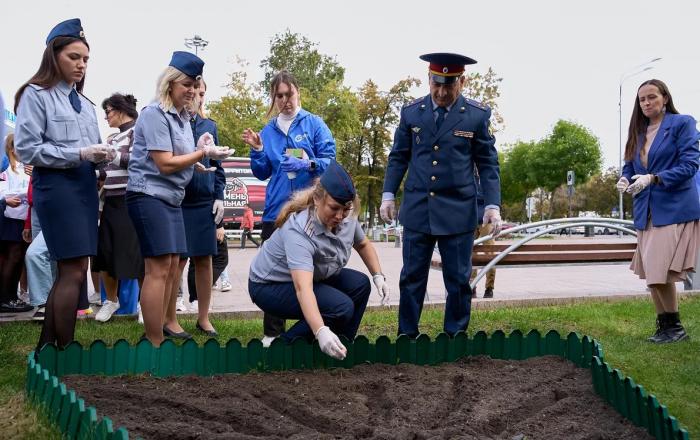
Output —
(194, 305)
(140, 315)
(267, 340)
(225, 286)
(40, 313)
(181, 307)
(85, 312)
(217, 284)
(107, 310)
(23, 296)
(15, 306)
(95, 298)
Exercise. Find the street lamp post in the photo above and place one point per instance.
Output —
(196, 42)
(625, 76)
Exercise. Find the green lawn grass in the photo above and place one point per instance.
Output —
(672, 372)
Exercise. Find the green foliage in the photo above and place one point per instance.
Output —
(539, 169)
(241, 108)
(486, 89)
(297, 54)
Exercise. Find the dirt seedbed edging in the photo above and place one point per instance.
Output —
(66, 407)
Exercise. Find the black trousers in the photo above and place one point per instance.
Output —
(218, 265)
(247, 233)
(272, 325)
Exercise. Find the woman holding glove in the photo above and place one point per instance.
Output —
(300, 273)
(56, 131)
(160, 167)
(661, 160)
(293, 149)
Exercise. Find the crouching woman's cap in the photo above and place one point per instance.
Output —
(338, 184)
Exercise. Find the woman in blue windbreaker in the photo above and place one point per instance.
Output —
(661, 159)
(293, 149)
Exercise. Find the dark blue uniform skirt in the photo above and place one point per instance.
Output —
(159, 225)
(199, 229)
(66, 202)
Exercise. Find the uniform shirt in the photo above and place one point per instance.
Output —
(49, 132)
(158, 129)
(304, 243)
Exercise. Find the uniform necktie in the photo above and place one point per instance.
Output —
(441, 116)
(74, 100)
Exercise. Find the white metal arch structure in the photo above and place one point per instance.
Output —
(550, 226)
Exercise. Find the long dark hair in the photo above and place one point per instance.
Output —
(639, 122)
(122, 103)
(49, 74)
(285, 77)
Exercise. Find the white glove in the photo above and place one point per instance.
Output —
(97, 153)
(199, 168)
(215, 152)
(205, 139)
(117, 158)
(622, 184)
(641, 181)
(388, 210)
(382, 288)
(218, 211)
(493, 216)
(330, 344)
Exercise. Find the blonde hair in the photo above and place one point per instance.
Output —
(165, 79)
(304, 199)
(199, 102)
(10, 151)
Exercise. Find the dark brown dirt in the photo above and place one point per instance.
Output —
(476, 398)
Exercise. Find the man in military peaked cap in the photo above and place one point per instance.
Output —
(441, 137)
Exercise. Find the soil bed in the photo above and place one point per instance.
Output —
(474, 398)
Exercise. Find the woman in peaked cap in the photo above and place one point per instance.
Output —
(56, 131)
(160, 167)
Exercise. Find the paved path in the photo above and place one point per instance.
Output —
(536, 284)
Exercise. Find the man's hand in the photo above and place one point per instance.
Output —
(388, 210)
(493, 216)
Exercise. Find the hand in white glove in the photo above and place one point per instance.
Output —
(200, 168)
(97, 153)
(218, 211)
(253, 139)
(205, 139)
(388, 210)
(382, 288)
(622, 184)
(493, 216)
(641, 181)
(216, 152)
(330, 344)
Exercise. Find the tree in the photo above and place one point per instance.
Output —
(486, 89)
(518, 178)
(242, 107)
(297, 54)
(600, 195)
(569, 147)
(366, 154)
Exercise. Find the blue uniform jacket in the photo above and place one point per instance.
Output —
(308, 131)
(205, 187)
(440, 190)
(673, 156)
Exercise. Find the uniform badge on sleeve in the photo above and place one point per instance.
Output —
(464, 134)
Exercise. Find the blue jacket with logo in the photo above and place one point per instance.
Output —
(307, 131)
(673, 156)
(440, 192)
(205, 187)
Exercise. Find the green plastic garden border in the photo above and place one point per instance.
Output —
(68, 411)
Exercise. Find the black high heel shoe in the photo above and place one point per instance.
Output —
(171, 334)
(210, 333)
